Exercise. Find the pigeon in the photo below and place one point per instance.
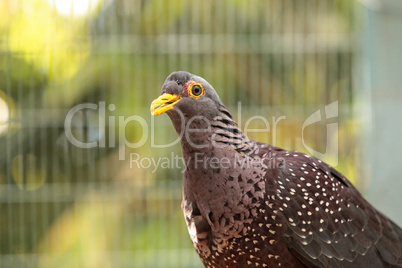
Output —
(250, 204)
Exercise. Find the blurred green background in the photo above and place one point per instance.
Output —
(65, 206)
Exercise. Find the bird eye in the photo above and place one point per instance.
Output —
(196, 90)
(193, 89)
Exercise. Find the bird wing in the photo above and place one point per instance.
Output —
(329, 224)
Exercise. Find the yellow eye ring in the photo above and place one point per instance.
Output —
(194, 90)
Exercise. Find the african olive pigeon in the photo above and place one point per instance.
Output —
(250, 204)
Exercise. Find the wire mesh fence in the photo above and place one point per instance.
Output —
(114, 200)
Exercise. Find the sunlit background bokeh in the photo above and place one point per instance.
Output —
(66, 206)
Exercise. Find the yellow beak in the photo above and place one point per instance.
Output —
(164, 103)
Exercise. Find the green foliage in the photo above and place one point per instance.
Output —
(276, 57)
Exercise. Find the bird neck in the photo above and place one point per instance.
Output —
(217, 138)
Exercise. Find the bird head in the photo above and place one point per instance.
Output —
(185, 96)
(186, 93)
